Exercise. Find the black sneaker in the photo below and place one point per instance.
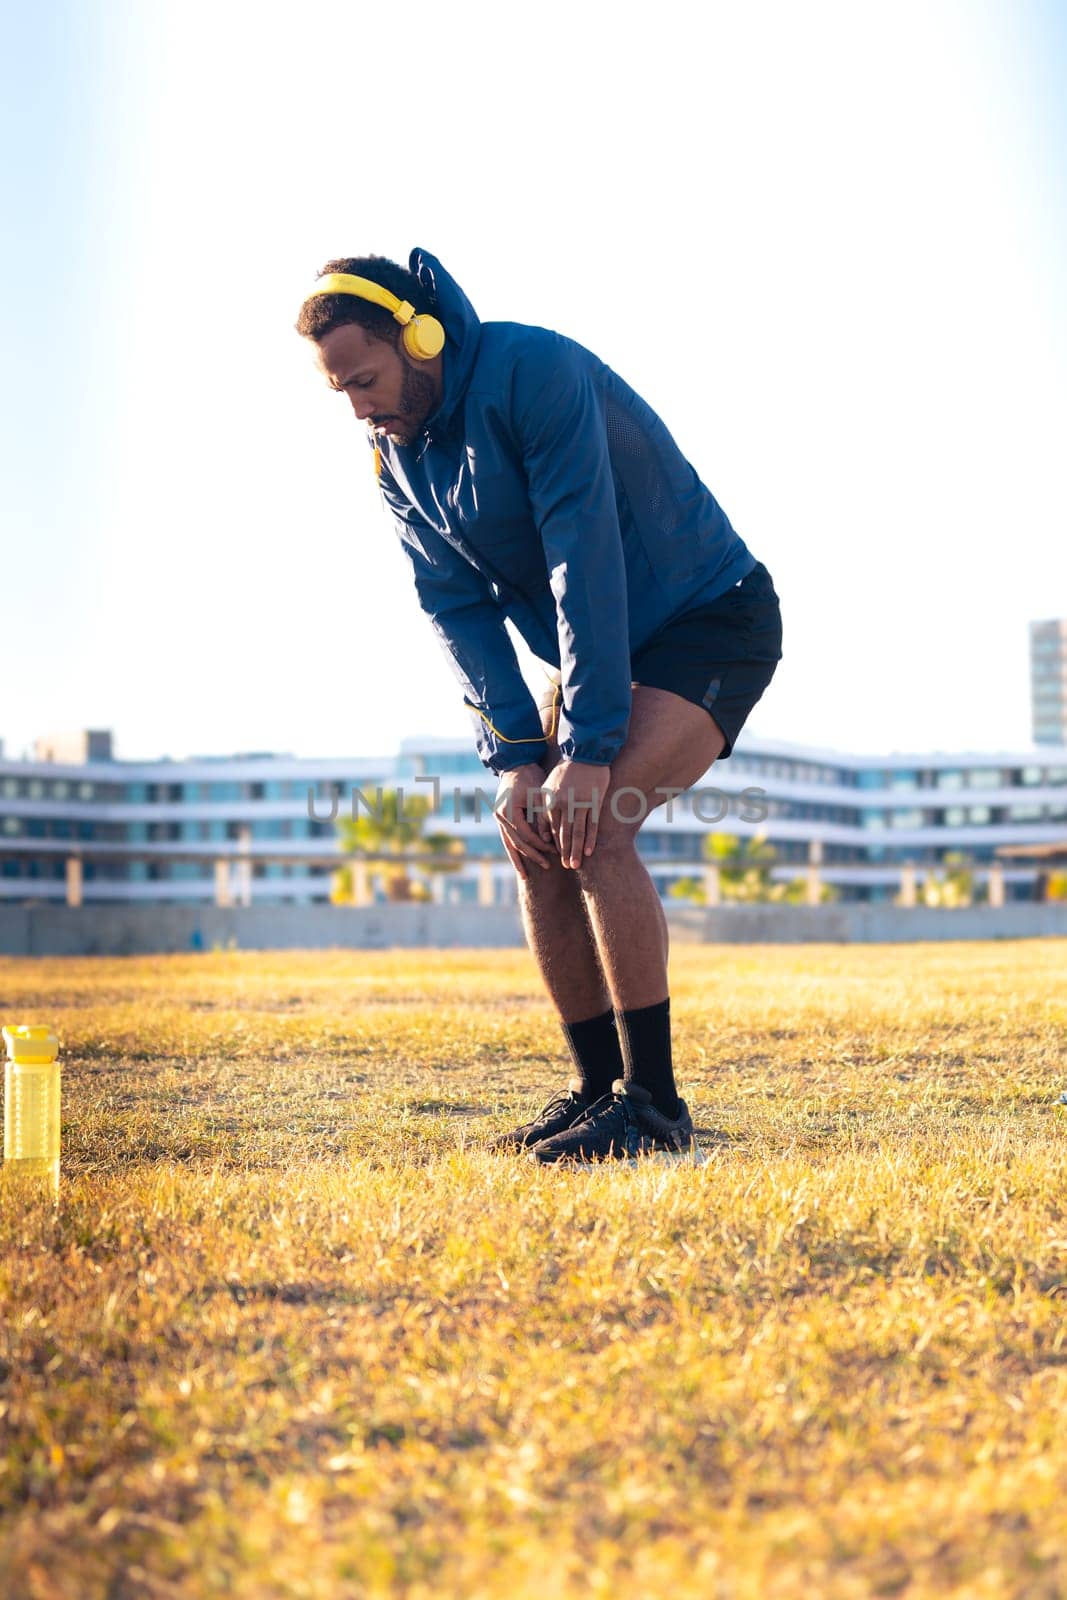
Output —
(559, 1114)
(624, 1126)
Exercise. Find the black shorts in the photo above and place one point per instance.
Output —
(720, 656)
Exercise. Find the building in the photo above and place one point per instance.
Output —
(262, 827)
(73, 749)
(1048, 681)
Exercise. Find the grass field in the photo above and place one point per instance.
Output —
(293, 1332)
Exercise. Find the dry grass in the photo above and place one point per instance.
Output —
(292, 1332)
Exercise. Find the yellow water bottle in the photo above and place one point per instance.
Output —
(31, 1105)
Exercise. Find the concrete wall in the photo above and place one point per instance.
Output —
(859, 924)
(138, 930)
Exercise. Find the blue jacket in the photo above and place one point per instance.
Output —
(544, 490)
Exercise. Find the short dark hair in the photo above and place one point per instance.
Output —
(324, 312)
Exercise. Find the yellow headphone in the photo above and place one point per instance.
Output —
(424, 336)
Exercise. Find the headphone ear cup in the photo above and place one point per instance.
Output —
(424, 338)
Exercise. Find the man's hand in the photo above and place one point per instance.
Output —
(575, 792)
(520, 815)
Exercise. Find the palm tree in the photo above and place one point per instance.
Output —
(744, 865)
(745, 873)
(395, 833)
(952, 887)
(446, 854)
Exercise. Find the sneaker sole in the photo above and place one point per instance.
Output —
(693, 1157)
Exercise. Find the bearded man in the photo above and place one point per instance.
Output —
(528, 481)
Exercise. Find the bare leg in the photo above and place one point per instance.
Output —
(629, 925)
(561, 942)
(599, 934)
(558, 932)
(671, 744)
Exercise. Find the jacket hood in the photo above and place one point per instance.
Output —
(462, 332)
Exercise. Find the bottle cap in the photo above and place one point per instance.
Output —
(32, 1043)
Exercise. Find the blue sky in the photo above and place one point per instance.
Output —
(866, 205)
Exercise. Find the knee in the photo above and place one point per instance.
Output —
(615, 846)
(546, 883)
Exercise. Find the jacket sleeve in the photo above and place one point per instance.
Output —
(560, 428)
(470, 626)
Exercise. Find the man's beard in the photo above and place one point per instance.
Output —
(416, 403)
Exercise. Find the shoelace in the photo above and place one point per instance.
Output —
(630, 1119)
(559, 1103)
(607, 1102)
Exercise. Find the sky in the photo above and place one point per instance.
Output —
(827, 243)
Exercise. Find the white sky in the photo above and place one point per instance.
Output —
(827, 242)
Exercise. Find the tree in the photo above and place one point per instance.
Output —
(446, 854)
(395, 832)
(953, 887)
(745, 873)
(687, 889)
(744, 865)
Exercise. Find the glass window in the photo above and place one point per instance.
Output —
(448, 763)
(872, 819)
(950, 779)
(136, 793)
(86, 791)
(1032, 775)
(903, 780)
(907, 819)
(12, 825)
(9, 788)
(60, 789)
(1025, 813)
(955, 816)
(35, 789)
(871, 780)
(979, 814)
(986, 778)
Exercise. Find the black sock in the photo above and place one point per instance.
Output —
(595, 1048)
(645, 1036)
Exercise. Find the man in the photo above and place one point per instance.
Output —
(528, 481)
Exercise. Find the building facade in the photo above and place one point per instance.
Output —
(264, 827)
(1048, 681)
